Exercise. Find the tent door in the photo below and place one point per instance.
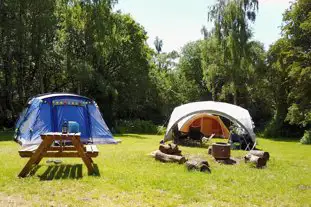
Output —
(72, 113)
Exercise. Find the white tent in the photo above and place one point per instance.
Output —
(236, 114)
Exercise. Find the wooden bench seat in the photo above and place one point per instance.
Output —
(92, 150)
(28, 151)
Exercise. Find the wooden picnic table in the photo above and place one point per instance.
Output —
(46, 149)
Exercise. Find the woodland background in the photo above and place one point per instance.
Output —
(85, 47)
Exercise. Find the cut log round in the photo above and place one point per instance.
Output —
(198, 164)
(171, 149)
(169, 158)
(260, 153)
(221, 150)
(258, 161)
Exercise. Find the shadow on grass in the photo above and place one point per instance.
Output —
(6, 135)
(57, 172)
(96, 171)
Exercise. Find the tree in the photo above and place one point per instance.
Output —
(297, 31)
(28, 31)
(158, 43)
(190, 66)
(72, 46)
(279, 84)
(233, 33)
(289, 73)
(213, 66)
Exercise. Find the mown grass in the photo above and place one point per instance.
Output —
(129, 177)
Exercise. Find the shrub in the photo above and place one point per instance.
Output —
(278, 128)
(138, 126)
(306, 139)
(161, 130)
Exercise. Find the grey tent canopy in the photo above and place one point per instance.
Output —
(236, 114)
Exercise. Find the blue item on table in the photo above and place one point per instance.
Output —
(73, 127)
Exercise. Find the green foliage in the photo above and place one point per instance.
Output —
(297, 30)
(277, 76)
(233, 43)
(161, 130)
(234, 68)
(289, 70)
(306, 139)
(190, 63)
(172, 85)
(137, 126)
(86, 47)
(73, 46)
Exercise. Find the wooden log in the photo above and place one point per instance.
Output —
(258, 161)
(209, 150)
(198, 164)
(260, 153)
(171, 149)
(169, 158)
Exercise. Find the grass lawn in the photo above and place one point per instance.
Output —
(129, 177)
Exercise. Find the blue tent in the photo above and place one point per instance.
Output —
(47, 113)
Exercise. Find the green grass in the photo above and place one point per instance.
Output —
(129, 177)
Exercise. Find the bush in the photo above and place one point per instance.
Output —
(138, 126)
(161, 130)
(306, 139)
(277, 128)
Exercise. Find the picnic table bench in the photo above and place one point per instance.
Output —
(35, 153)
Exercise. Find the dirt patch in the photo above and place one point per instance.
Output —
(13, 200)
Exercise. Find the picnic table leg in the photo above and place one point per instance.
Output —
(83, 155)
(35, 158)
(38, 160)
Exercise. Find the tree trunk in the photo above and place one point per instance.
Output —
(169, 158)
(20, 74)
(38, 61)
(79, 88)
(40, 77)
(8, 75)
(235, 95)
